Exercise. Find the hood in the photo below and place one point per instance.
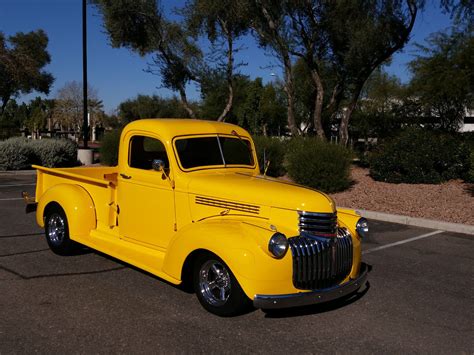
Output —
(259, 190)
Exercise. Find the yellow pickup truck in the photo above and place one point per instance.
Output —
(187, 203)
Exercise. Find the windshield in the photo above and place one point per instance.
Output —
(214, 151)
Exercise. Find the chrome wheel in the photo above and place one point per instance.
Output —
(214, 282)
(56, 229)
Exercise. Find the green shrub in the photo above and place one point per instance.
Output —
(54, 153)
(320, 165)
(273, 149)
(468, 138)
(109, 148)
(21, 153)
(469, 176)
(419, 156)
(16, 154)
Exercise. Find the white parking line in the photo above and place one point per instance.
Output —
(11, 199)
(401, 242)
(13, 185)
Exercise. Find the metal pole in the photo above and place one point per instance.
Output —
(84, 71)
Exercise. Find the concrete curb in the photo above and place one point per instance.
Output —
(418, 222)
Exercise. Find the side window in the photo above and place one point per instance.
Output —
(143, 150)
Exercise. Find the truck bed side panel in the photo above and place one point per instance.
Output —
(101, 190)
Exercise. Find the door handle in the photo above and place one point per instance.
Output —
(125, 176)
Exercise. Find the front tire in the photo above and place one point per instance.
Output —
(216, 287)
(57, 231)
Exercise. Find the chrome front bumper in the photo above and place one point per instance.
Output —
(312, 297)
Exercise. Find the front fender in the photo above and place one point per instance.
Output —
(348, 218)
(76, 203)
(242, 246)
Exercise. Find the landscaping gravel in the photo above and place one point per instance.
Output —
(452, 201)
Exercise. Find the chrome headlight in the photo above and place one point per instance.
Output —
(362, 227)
(278, 245)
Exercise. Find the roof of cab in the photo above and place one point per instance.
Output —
(169, 128)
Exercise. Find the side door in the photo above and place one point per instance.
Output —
(145, 196)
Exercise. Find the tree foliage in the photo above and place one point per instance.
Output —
(68, 108)
(144, 106)
(443, 79)
(22, 59)
(40, 112)
(272, 30)
(257, 107)
(34, 116)
(363, 36)
(223, 23)
(142, 27)
(379, 111)
(460, 10)
(341, 43)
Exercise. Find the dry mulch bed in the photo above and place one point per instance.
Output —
(452, 201)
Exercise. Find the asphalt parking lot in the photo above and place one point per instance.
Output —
(419, 299)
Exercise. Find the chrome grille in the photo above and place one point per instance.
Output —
(319, 224)
(320, 262)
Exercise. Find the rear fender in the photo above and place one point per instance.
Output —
(76, 203)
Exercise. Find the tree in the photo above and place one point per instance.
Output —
(223, 22)
(68, 110)
(377, 114)
(377, 31)
(272, 110)
(270, 24)
(460, 10)
(144, 106)
(443, 79)
(40, 112)
(306, 97)
(310, 43)
(12, 118)
(361, 36)
(256, 107)
(22, 59)
(341, 43)
(142, 27)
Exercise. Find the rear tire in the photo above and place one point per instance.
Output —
(57, 231)
(216, 287)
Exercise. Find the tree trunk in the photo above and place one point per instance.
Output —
(4, 104)
(230, 84)
(318, 105)
(290, 93)
(184, 102)
(282, 49)
(344, 126)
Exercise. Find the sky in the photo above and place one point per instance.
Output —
(118, 74)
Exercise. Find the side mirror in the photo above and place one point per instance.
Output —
(158, 165)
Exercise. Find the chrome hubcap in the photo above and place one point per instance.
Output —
(214, 282)
(56, 229)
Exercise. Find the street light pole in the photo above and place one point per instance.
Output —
(84, 71)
